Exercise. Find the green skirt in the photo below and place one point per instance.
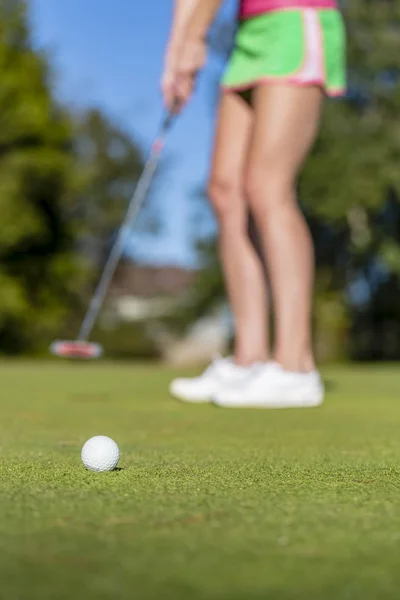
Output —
(298, 46)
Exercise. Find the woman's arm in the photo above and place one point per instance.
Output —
(183, 10)
(193, 50)
(186, 52)
(201, 19)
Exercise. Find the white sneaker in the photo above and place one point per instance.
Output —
(273, 387)
(221, 373)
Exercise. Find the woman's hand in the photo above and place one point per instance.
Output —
(191, 59)
(168, 78)
(180, 73)
(168, 87)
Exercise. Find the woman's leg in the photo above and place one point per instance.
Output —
(286, 124)
(242, 267)
(243, 271)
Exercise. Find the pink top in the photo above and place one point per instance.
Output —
(250, 8)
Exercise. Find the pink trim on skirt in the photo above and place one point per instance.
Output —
(251, 8)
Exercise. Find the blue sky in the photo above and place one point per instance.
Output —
(110, 55)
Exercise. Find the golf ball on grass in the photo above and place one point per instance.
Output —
(100, 453)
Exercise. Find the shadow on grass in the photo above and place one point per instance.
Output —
(330, 385)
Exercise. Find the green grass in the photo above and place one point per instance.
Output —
(209, 503)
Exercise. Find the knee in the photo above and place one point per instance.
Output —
(225, 198)
(267, 188)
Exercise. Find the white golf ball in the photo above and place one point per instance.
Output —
(100, 453)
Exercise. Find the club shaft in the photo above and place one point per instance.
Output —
(133, 211)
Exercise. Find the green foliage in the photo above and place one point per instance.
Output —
(107, 163)
(350, 185)
(110, 163)
(64, 184)
(35, 169)
(356, 157)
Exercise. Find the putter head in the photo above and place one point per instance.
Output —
(76, 349)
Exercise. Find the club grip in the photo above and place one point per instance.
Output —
(170, 115)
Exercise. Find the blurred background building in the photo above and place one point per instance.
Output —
(79, 105)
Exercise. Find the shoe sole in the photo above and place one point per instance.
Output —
(266, 407)
(272, 405)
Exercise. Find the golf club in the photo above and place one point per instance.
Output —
(81, 347)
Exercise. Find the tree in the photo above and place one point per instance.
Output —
(350, 183)
(109, 165)
(37, 265)
(64, 184)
